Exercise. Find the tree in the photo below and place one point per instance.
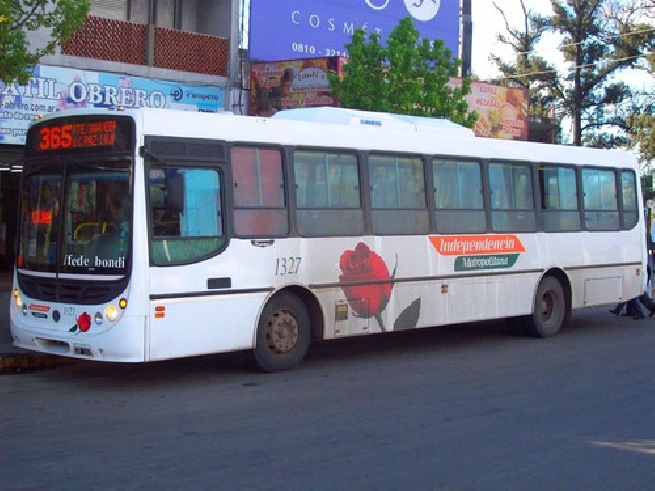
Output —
(599, 39)
(21, 21)
(408, 76)
(640, 123)
(528, 71)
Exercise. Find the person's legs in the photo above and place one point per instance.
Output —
(619, 307)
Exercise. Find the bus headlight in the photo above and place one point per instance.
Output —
(111, 313)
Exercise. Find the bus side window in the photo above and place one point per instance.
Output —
(601, 208)
(458, 197)
(629, 200)
(259, 199)
(328, 196)
(559, 198)
(398, 204)
(186, 214)
(512, 199)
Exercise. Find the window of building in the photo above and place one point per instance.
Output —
(110, 9)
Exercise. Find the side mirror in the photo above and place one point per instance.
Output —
(174, 193)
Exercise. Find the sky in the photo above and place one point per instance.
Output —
(488, 22)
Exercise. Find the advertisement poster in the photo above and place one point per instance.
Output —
(290, 29)
(53, 89)
(291, 84)
(503, 112)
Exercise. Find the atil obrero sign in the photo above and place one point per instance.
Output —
(52, 89)
(290, 29)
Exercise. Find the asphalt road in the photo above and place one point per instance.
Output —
(454, 409)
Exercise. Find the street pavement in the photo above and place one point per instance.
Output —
(13, 359)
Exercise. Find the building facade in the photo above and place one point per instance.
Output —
(182, 54)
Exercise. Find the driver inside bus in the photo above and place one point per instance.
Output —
(113, 222)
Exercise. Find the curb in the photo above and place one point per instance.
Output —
(17, 362)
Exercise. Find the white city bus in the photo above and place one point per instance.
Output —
(153, 234)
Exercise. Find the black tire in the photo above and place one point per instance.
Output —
(283, 334)
(549, 309)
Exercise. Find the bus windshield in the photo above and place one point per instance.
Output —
(76, 219)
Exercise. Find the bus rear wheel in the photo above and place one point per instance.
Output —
(283, 334)
(549, 309)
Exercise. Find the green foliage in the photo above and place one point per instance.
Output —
(407, 76)
(599, 39)
(641, 127)
(587, 26)
(57, 20)
(528, 71)
(641, 123)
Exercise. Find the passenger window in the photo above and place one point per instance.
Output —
(559, 198)
(601, 211)
(458, 197)
(512, 202)
(397, 195)
(327, 193)
(259, 201)
(629, 199)
(185, 210)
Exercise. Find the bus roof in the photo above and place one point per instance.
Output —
(350, 129)
(354, 117)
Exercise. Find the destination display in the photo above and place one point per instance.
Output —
(81, 134)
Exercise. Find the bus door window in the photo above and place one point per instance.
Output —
(398, 204)
(601, 210)
(328, 193)
(559, 198)
(512, 198)
(259, 198)
(185, 210)
(458, 197)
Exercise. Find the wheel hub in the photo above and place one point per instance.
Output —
(282, 332)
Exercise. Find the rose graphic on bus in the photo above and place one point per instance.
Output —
(83, 323)
(365, 276)
(367, 284)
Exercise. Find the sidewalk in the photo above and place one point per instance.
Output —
(13, 359)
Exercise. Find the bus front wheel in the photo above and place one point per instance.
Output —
(283, 334)
(549, 309)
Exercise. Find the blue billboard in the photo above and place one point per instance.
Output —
(292, 29)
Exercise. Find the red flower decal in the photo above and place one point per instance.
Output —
(84, 322)
(365, 266)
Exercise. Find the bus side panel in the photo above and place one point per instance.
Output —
(202, 325)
